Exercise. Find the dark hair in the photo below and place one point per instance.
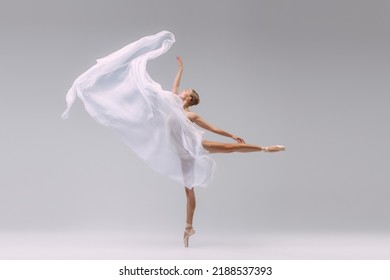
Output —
(194, 98)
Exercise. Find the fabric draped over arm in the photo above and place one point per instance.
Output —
(119, 93)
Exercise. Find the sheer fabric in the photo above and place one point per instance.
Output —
(119, 93)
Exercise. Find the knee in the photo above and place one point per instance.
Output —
(229, 148)
(190, 193)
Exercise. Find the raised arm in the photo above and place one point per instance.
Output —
(176, 83)
(202, 123)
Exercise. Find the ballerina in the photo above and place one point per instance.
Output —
(157, 125)
(190, 98)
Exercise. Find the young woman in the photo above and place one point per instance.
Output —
(190, 98)
(155, 124)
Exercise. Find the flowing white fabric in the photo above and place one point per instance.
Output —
(119, 93)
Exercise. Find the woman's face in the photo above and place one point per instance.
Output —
(185, 93)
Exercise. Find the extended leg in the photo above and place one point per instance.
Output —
(219, 147)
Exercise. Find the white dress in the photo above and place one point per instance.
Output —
(119, 93)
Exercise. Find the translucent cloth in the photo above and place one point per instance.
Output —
(119, 93)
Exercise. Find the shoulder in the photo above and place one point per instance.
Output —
(192, 116)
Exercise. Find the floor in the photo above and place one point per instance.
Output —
(117, 245)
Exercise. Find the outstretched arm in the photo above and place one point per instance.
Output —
(176, 83)
(202, 123)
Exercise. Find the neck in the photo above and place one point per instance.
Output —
(186, 106)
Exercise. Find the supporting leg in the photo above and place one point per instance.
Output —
(191, 204)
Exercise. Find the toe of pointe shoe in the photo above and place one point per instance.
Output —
(187, 235)
(276, 148)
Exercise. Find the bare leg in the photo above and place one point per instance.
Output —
(219, 147)
(191, 204)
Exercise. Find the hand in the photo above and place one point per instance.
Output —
(238, 139)
(179, 61)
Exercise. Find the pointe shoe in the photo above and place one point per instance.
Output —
(188, 231)
(275, 148)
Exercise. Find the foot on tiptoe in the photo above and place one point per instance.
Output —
(275, 148)
(188, 231)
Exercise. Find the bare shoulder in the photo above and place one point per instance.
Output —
(192, 116)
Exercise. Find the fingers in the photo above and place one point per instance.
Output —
(239, 140)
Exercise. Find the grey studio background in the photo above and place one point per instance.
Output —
(311, 75)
